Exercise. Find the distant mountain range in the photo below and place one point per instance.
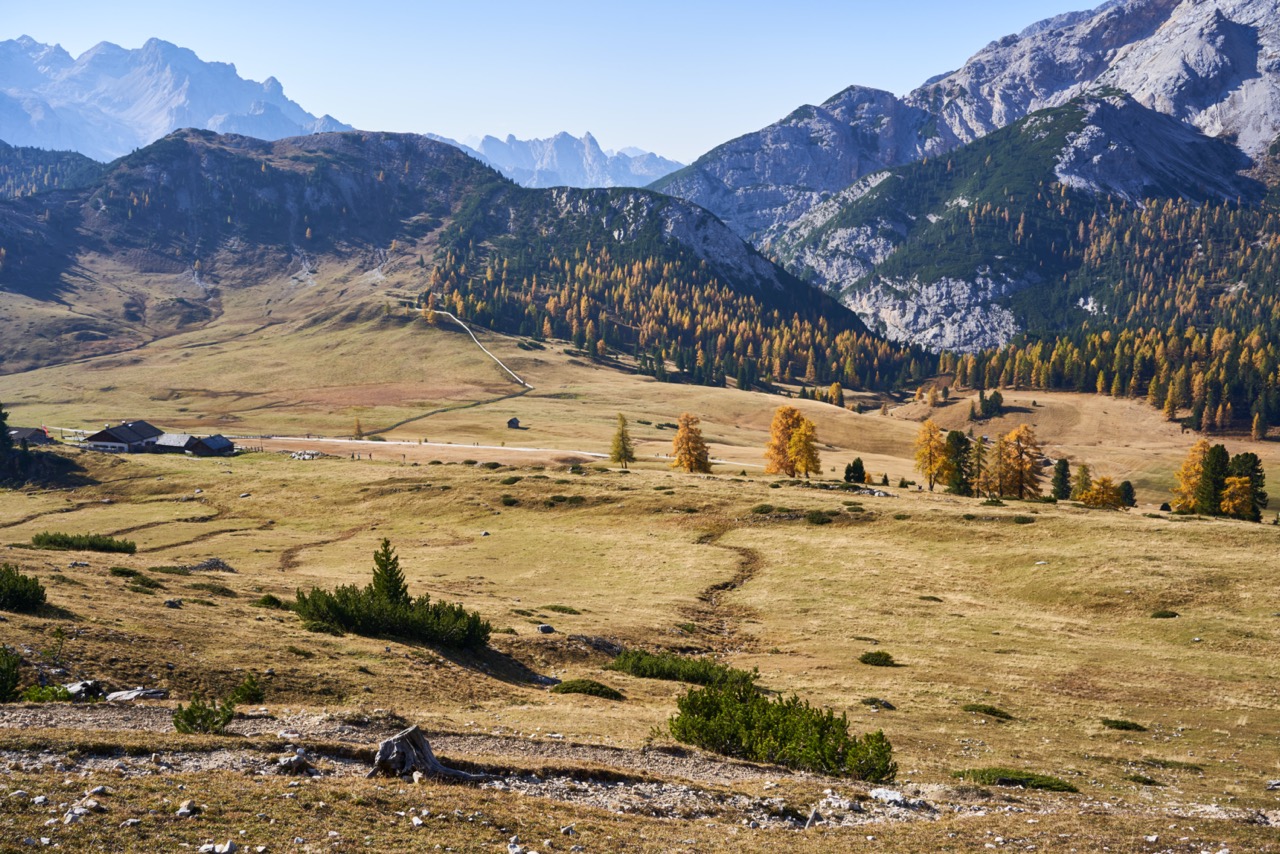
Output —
(1164, 99)
(567, 161)
(110, 101)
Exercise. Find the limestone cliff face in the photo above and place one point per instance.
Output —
(1175, 98)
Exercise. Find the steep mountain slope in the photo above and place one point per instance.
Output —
(110, 100)
(168, 237)
(26, 171)
(1209, 63)
(934, 252)
(759, 182)
(567, 161)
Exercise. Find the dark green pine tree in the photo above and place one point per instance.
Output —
(1248, 465)
(855, 472)
(960, 476)
(1061, 486)
(1128, 498)
(388, 581)
(1213, 477)
(6, 441)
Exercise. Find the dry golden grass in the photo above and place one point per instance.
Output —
(1049, 621)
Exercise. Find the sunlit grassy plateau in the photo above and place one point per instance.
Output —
(1048, 620)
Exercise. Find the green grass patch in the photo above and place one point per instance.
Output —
(82, 542)
(1013, 778)
(678, 668)
(268, 600)
(215, 589)
(590, 687)
(989, 711)
(1142, 780)
(1165, 615)
(1126, 726)
(734, 719)
(561, 609)
(878, 658)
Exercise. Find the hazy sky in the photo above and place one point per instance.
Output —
(673, 77)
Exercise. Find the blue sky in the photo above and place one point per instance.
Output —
(673, 77)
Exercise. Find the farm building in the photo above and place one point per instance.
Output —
(213, 446)
(173, 443)
(31, 435)
(128, 437)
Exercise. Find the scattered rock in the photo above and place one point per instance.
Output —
(228, 847)
(296, 764)
(1273, 786)
(245, 494)
(131, 822)
(814, 818)
(187, 809)
(891, 797)
(138, 693)
(568, 830)
(39, 800)
(546, 629)
(173, 603)
(89, 689)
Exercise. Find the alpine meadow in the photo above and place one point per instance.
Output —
(893, 477)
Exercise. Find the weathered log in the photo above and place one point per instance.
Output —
(409, 751)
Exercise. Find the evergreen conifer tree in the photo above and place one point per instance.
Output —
(388, 580)
(1060, 488)
(622, 451)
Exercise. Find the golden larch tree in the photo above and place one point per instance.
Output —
(1237, 497)
(1023, 464)
(689, 448)
(803, 449)
(777, 453)
(622, 451)
(1103, 493)
(1189, 474)
(931, 452)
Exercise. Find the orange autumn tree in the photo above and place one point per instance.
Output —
(803, 449)
(1189, 474)
(777, 453)
(689, 448)
(931, 453)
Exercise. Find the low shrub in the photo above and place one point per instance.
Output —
(1123, 725)
(902, 517)
(1165, 615)
(269, 600)
(510, 481)
(1023, 520)
(492, 466)
(993, 502)
(170, 570)
(384, 609)
(10, 661)
(577, 499)
(46, 694)
(299, 651)
(214, 588)
(145, 582)
(1010, 777)
(82, 542)
(878, 658)
(201, 717)
(123, 572)
(677, 668)
(734, 719)
(877, 703)
(248, 692)
(762, 509)
(561, 609)
(989, 711)
(930, 599)
(1142, 780)
(1172, 764)
(589, 687)
(817, 517)
(19, 593)
(509, 501)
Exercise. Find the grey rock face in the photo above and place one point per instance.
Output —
(567, 161)
(110, 100)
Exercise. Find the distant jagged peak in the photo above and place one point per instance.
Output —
(111, 100)
(566, 160)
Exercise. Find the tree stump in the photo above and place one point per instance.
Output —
(409, 751)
